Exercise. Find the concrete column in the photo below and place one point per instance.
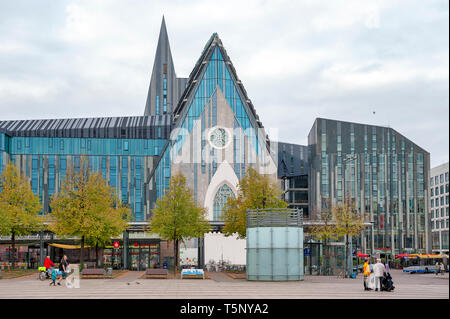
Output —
(318, 192)
(400, 207)
(201, 253)
(373, 240)
(41, 248)
(52, 249)
(125, 249)
(393, 236)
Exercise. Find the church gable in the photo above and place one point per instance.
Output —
(215, 71)
(213, 94)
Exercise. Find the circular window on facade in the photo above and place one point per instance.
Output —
(219, 137)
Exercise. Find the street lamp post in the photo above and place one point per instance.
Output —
(349, 253)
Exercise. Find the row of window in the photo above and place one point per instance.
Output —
(442, 224)
(435, 191)
(435, 213)
(87, 146)
(435, 202)
(439, 179)
(163, 174)
(53, 169)
(164, 98)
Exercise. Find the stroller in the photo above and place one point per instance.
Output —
(387, 283)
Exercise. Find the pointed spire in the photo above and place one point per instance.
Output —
(162, 92)
(163, 33)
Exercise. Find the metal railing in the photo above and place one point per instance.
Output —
(274, 217)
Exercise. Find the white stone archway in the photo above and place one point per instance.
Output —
(217, 246)
(224, 175)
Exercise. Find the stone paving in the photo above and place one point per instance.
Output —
(220, 286)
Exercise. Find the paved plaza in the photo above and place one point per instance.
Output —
(408, 286)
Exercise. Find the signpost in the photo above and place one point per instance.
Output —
(306, 252)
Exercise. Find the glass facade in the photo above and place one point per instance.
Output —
(384, 174)
(218, 75)
(122, 163)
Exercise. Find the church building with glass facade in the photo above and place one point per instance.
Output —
(206, 127)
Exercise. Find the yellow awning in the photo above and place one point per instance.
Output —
(68, 246)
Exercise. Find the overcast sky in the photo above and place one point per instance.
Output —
(298, 60)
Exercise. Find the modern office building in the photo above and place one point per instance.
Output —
(206, 127)
(292, 170)
(439, 205)
(382, 172)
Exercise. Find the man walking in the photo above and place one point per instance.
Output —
(442, 268)
(366, 271)
(378, 271)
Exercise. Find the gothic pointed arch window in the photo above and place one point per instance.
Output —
(220, 200)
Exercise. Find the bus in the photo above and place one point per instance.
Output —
(417, 263)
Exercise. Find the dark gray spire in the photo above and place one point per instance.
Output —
(163, 91)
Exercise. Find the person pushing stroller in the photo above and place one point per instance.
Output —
(387, 283)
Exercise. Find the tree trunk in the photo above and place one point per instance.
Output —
(175, 257)
(325, 255)
(13, 239)
(82, 253)
(96, 255)
(102, 260)
(346, 256)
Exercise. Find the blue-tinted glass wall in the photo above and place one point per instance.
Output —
(125, 165)
(383, 173)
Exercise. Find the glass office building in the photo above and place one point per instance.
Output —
(123, 149)
(439, 206)
(382, 172)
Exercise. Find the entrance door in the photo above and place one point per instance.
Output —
(143, 254)
(312, 259)
(134, 258)
(315, 258)
(144, 258)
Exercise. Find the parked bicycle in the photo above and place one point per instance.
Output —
(44, 273)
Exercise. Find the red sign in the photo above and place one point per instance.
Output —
(381, 221)
(116, 244)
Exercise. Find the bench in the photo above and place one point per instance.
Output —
(156, 273)
(192, 274)
(94, 273)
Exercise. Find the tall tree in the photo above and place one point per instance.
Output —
(325, 230)
(88, 208)
(177, 216)
(112, 216)
(19, 207)
(255, 191)
(348, 223)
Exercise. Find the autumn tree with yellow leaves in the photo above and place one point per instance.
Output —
(325, 230)
(255, 191)
(349, 222)
(87, 207)
(19, 207)
(177, 215)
